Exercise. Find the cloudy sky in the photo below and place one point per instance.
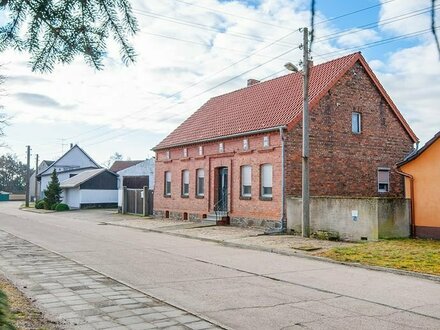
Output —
(189, 51)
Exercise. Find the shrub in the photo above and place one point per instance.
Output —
(39, 204)
(52, 192)
(62, 207)
(54, 206)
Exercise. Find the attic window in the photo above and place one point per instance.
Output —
(185, 152)
(167, 154)
(356, 122)
(245, 144)
(201, 151)
(266, 141)
(221, 147)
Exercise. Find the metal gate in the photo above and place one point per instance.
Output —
(136, 203)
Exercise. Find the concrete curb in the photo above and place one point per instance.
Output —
(288, 253)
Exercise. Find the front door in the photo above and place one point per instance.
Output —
(222, 189)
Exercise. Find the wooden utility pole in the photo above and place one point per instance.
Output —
(36, 173)
(305, 134)
(28, 175)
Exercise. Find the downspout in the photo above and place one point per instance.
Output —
(411, 192)
(283, 184)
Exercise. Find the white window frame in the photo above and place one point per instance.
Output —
(167, 183)
(356, 118)
(266, 179)
(185, 181)
(185, 152)
(246, 180)
(383, 182)
(200, 186)
(200, 150)
(245, 144)
(266, 141)
(167, 154)
(221, 147)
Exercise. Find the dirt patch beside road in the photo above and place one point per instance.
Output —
(24, 315)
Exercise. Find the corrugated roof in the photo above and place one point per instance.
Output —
(80, 178)
(273, 103)
(120, 165)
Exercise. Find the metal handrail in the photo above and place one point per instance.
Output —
(217, 211)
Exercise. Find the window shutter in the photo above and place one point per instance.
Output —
(383, 176)
(246, 175)
(267, 175)
(186, 177)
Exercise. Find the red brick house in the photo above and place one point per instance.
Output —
(233, 153)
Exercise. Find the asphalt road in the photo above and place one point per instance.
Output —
(234, 288)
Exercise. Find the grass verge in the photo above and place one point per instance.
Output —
(19, 312)
(416, 255)
(5, 313)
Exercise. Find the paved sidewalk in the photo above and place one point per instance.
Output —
(250, 237)
(80, 298)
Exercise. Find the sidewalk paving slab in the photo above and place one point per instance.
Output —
(78, 297)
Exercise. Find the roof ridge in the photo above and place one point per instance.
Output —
(283, 76)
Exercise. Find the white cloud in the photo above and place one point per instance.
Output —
(119, 100)
(357, 37)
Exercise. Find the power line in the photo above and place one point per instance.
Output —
(99, 135)
(365, 46)
(206, 78)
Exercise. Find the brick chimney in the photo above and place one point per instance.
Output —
(251, 82)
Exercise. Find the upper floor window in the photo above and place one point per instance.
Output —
(185, 183)
(200, 150)
(383, 180)
(167, 190)
(266, 141)
(185, 152)
(245, 144)
(246, 180)
(167, 154)
(356, 122)
(221, 147)
(266, 180)
(200, 189)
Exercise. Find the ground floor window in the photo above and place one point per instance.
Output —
(200, 189)
(167, 190)
(185, 183)
(383, 179)
(246, 180)
(266, 180)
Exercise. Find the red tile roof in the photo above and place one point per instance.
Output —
(270, 104)
(120, 165)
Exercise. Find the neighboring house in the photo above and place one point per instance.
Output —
(237, 152)
(34, 183)
(422, 185)
(91, 188)
(73, 162)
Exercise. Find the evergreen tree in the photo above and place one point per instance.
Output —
(55, 31)
(53, 192)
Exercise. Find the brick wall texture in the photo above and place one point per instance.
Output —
(343, 163)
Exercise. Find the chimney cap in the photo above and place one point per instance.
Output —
(251, 82)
